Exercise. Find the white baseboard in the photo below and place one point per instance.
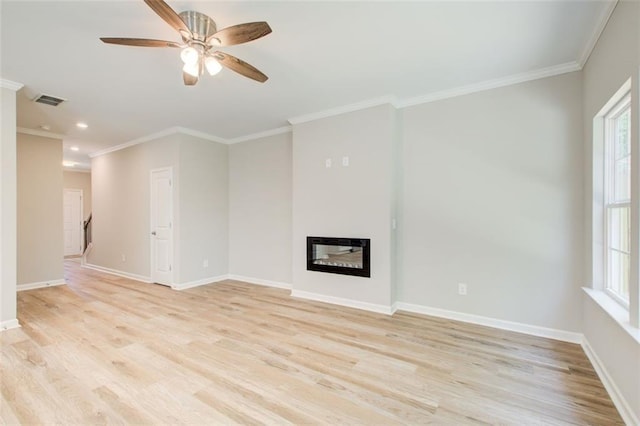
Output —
(381, 309)
(118, 273)
(40, 284)
(9, 324)
(259, 281)
(204, 281)
(534, 330)
(624, 408)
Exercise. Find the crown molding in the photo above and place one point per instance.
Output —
(143, 139)
(266, 133)
(190, 132)
(201, 135)
(344, 109)
(491, 84)
(384, 100)
(11, 85)
(157, 135)
(445, 94)
(42, 133)
(605, 14)
(75, 170)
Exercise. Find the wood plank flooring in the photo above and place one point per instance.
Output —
(108, 350)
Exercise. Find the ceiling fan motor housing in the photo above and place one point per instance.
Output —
(201, 25)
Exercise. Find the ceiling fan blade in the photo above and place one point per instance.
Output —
(170, 16)
(237, 34)
(141, 42)
(239, 66)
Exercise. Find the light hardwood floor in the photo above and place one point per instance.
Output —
(105, 349)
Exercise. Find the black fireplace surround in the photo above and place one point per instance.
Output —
(347, 256)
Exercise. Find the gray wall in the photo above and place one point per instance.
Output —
(8, 238)
(200, 207)
(260, 209)
(492, 198)
(354, 201)
(120, 203)
(615, 59)
(39, 224)
(204, 209)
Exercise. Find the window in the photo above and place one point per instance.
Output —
(617, 200)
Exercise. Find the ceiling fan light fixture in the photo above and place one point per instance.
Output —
(213, 66)
(189, 55)
(192, 69)
(199, 35)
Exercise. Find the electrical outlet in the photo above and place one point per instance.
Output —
(345, 161)
(327, 163)
(123, 257)
(205, 263)
(462, 289)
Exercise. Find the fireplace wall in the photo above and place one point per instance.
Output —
(353, 201)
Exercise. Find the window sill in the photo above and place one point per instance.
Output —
(619, 314)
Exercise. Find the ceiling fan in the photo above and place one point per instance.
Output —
(200, 37)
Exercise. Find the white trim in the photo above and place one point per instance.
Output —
(11, 85)
(615, 311)
(369, 103)
(40, 284)
(491, 84)
(259, 281)
(143, 139)
(389, 99)
(123, 274)
(197, 283)
(623, 406)
(157, 135)
(42, 133)
(605, 14)
(350, 303)
(75, 170)
(9, 324)
(615, 99)
(201, 135)
(266, 133)
(534, 330)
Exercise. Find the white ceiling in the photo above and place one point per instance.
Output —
(321, 55)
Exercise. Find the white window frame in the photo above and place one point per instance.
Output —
(610, 117)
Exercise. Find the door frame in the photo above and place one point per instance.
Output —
(173, 234)
(81, 235)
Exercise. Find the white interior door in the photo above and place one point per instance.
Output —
(161, 226)
(72, 218)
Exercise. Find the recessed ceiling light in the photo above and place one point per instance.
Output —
(74, 148)
(82, 125)
(68, 163)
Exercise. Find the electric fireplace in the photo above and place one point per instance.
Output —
(347, 256)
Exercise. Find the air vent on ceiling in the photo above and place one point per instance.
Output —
(48, 100)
